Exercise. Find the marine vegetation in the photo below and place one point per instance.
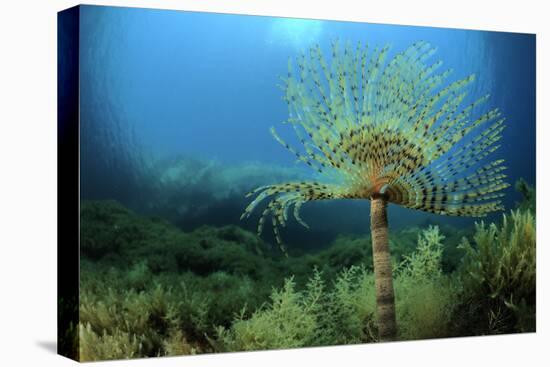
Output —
(345, 312)
(498, 275)
(150, 289)
(393, 131)
(527, 192)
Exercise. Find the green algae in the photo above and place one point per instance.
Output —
(151, 289)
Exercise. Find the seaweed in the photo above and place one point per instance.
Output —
(498, 277)
(344, 312)
(528, 196)
(114, 234)
(425, 297)
(150, 289)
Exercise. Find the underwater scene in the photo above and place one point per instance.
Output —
(253, 183)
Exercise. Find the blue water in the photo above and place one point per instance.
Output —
(159, 86)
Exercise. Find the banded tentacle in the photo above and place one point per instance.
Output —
(287, 196)
(393, 126)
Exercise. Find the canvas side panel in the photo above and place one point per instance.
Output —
(68, 181)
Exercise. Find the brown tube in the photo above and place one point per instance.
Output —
(385, 300)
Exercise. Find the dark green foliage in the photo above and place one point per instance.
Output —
(346, 251)
(529, 199)
(355, 250)
(498, 276)
(150, 289)
(119, 237)
(114, 235)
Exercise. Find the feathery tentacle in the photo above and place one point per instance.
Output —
(396, 128)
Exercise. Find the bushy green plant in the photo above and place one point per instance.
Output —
(529, 199)
(349, 314)
(425, 261)
(104, 346)
(288, 322)
(176, 344)
(345, 311)
(425, 298)
(165, 312)
(146, 316)
(499, 276)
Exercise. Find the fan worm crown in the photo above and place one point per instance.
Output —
(396, 128)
